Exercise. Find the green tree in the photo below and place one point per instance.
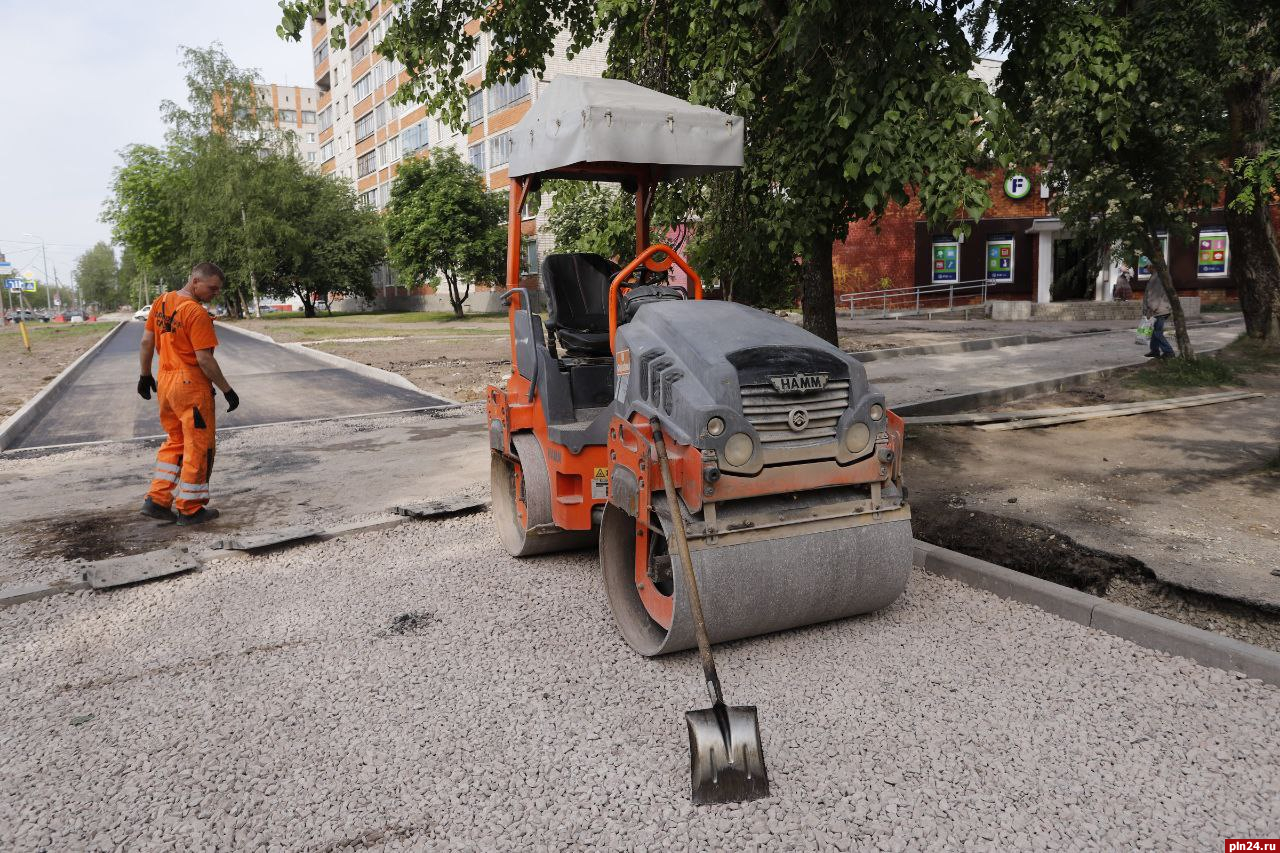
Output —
(589, 217)
(441, 221)
(143, 211)
(97, 277)
(1100, 91)
(849, 106)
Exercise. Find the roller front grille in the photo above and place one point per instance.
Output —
(770, 411)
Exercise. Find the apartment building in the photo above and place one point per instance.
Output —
(363, 137)
(292, 109)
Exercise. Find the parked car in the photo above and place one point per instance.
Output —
(142, 313)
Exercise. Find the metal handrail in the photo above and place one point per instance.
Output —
(979, 285)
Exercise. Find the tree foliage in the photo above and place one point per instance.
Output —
(98, 279)
(848, 106)
(225, 189)
(442, 222)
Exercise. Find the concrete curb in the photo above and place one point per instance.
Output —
(375, 373)
(972, 345)
(36, 407)
(1136, 626)
(974, 400)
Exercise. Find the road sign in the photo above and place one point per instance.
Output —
(29, 286)
(13, 283)
(57, 302)
(6, 268)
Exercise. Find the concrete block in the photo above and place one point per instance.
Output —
(119, 571)
(12, 595)
(259, 541)
(1175, 638)
(440, 507)
(1048, 596)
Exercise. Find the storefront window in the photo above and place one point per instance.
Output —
(1000, 257)
(1213, 258)
(946, 260)
(1144, 263)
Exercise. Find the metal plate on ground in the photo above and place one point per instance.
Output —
(260, 541)
(118, 571)
(440, 507)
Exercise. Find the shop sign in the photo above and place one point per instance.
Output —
(946, 259)
(1000, 257)
(1144, 263)
(1017, 186)
(1213, 254)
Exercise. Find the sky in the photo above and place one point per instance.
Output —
(82, 79)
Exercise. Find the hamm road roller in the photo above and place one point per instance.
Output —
(785, 465)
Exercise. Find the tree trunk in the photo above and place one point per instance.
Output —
(308, 304)
(1160, 275)
(1255, 258)
(818, 291)
(455, 297)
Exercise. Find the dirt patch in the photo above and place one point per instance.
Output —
(1176, 513)
(53, 347)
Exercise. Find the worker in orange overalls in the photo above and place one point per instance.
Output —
(181, 328)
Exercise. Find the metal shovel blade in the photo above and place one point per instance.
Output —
(726, 761)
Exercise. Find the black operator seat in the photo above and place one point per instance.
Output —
(577, 287)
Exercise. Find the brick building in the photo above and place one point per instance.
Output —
(1018, 251)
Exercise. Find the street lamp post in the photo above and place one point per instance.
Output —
(45, 260)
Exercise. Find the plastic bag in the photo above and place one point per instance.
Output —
(1143, 333)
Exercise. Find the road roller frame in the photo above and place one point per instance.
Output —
(574, 463)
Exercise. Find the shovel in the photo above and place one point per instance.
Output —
(726, 761)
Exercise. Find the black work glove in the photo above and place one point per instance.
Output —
(146, 384)
(233, 399)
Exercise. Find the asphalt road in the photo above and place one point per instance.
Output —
(275, 384)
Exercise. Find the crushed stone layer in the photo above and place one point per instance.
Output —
(416, 688)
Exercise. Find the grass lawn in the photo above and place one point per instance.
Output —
(1215, 370)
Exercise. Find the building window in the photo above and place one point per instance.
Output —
(363, 87)
(475, 107)
(382, 155)
(321, 53)
(326, 117)
(946, 259)
(311, 156)
(476, 59)
(499, 150)
(326, 151)
(384, 194)
(1144, 263)
(288, 116)
(476, 155)
(379, 30)
(364, 126)
(308, 116)
(360, 50)
(414, 137)
(1000, 257)
(506, 94)
(380, 114)
(1213, 257)
(393, 149)
(370, 198)
(311, 138)
(366, 164)
(528, 256)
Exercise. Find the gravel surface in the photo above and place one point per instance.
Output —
(417, 689)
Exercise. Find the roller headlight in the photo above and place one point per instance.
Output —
(737, 450)
(877, 411)
(857, 437)
(715, 426)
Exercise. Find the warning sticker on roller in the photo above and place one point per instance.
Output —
(600, 484)
(621, 372)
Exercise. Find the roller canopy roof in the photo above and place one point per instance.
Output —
(590, 128)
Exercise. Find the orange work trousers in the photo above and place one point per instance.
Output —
(185, 460)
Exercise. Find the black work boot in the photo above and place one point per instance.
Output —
(200, 516)
(153, 510)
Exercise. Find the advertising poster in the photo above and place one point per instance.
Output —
(1144, 263)
(1000, 257)
(946, 259)
(1212, 255)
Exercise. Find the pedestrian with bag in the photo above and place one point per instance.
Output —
(182, 330)
(1155, 304)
